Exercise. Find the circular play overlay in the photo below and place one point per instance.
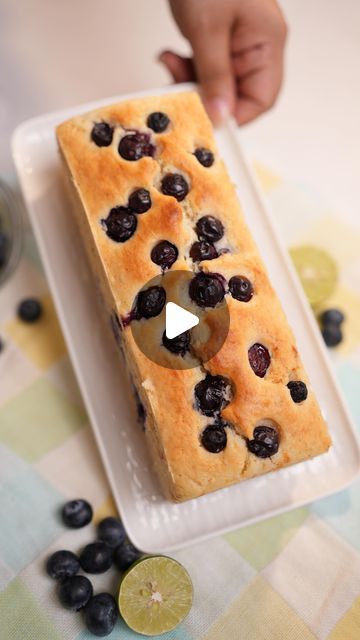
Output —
(180, 319)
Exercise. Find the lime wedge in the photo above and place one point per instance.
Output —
(317, 272)
(155, 595)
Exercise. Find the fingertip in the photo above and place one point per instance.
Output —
(247, 110)
(165, 55)
(172, 63)
(257, 93)
(217, 107)
(180, 68)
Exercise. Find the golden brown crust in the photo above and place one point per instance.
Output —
(102, 180)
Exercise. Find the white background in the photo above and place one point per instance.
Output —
(56, 54)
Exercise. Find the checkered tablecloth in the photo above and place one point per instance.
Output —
(294, 577)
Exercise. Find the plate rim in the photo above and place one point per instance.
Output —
(16, 141)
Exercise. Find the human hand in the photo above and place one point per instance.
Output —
(238, 48)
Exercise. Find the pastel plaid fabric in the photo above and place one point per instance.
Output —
(294, 577)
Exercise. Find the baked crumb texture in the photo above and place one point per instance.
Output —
(100, 180)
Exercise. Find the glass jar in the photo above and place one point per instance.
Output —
(11, 231)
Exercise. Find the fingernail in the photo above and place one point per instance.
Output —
(217, 108)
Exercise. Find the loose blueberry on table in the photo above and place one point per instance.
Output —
(331, 321)
(102, 134)
(120, 224)
(298, 390)
(209, 228)
(135, 146)
(158, 121)
(174, 184)
(150, 302)
(96, 557)
(241, 288)
(75, 592)
(100, 614)
(212, 394)
(204, 156)
(332, 316)
(179, 345)
(62, 564)
(214, 438)
(265, 442)
(332, 335)
(259, 359)
(77, 513)
(111, 531)
(203, 250)
(125, 555)
(164, 254)
(140, 201)
(207, 289)
(30, 310)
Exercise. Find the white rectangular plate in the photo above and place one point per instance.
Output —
(154, 524)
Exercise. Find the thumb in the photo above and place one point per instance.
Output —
(213, 67)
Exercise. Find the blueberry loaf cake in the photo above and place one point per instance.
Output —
(152, 196)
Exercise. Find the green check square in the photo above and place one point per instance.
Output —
(38, 420)
(261, 542)
(21, 617)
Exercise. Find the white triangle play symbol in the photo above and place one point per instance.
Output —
(178, 320)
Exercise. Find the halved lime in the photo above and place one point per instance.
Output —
(155, 595)
(317, 272)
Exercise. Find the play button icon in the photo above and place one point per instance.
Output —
(171, 328)
(178, 320)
